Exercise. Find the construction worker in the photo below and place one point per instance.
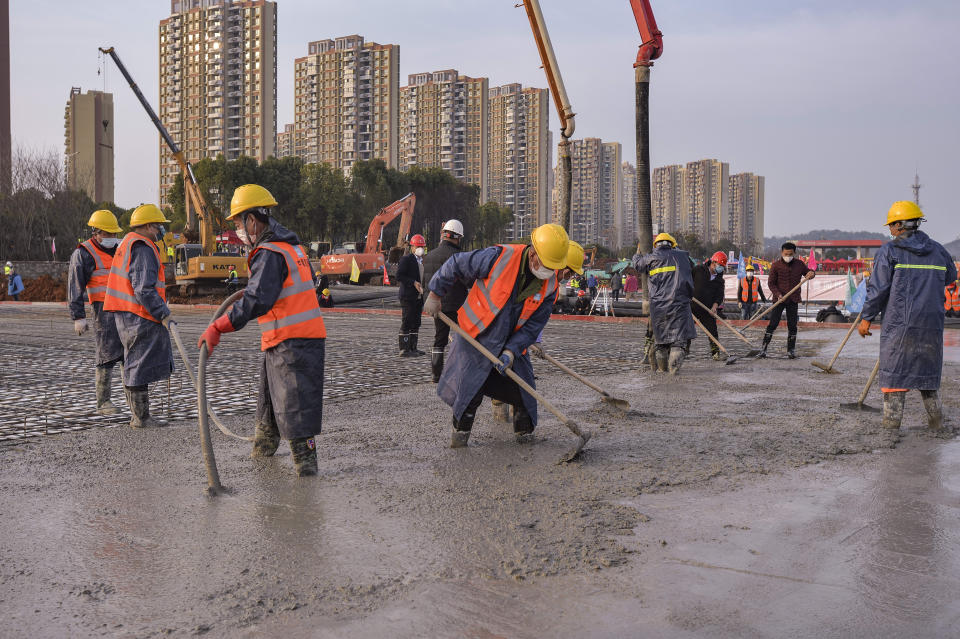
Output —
(785, 274)
(14, 283)
(170, 252)
(233, 280)
(7, 268)
(708, 288)
(410, 276)
(909, 274)
(951, 299)
(575, 255)
(137, 298)
(671, 286)
(89, 272)
(509, 303)
(749, 293)
(450, 237)
(325, 299)
(280, 292)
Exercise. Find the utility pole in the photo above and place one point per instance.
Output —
(916, 189)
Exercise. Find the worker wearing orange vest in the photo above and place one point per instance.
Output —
(280, 292)
(749, 293)
(951, 299)
(88, 274)
(513, 290)
(136, 296)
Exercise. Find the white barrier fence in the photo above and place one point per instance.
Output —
(822, 288)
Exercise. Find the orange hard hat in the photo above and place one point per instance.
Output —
(418, 240)
(719, 257)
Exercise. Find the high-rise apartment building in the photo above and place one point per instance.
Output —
(595, 192)
(218, 81)
(346, 101)
(630, 212)
(88, 142)
(610, 215)
(518, 156)
(443, 123)
(746, 211)
(285, 142)
(667, 198)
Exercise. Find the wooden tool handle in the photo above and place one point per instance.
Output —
(724, 322)
(844, 342)
(707, 333)
(782, 299)
(866, 389)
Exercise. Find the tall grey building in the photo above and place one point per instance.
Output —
(667, 198)
(88, 142)
(595, 192)
(746, 211)
(630, 229)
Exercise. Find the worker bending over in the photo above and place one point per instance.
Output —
(512, 289)
(451, 236)
(909, 275)
(137, 298)
(280, 293)
(88, 273)
(708, 288)
(668, 271)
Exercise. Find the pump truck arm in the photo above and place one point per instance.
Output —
(651, 45)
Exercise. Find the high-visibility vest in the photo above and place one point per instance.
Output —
(6, 269)
(749, 290)
(97, 284)
(120, 295)
(951, 300)
(296, 313)
(490, 295)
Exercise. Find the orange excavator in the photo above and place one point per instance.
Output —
(375, 255)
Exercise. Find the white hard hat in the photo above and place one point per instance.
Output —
(454, 226)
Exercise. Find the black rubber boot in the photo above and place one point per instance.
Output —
(792, 346)
(522, 425)
(403, 339)
(931, 401)
(139, 401)
(893, 409)
(461, 430)
(766, 342)
(104, 405)
(414, 338)
(266, 439)
(304, 451)
(436, 363)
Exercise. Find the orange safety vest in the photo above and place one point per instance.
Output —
(951, 301)
(750, 293)
(97, 284)
(120, 295)
(296, 313)
(488, 296)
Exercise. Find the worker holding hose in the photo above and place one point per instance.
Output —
(671, 288)
(136, 297)
(909, 275)
(280, 293)
(88, 273)
(512, 290)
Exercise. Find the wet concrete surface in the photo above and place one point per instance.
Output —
(734, 501)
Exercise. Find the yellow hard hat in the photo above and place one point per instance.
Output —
(664, 237)
(325, 292)
(903, 210)
(249, 196)
(550, 242)
(575, 257)
(104, 220)
(148, 214)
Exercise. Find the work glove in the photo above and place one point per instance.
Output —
(167, 321)
(536, 350)
(506, 361)
(80, 326)
(211, 336)
(864, 328)
(432, 306)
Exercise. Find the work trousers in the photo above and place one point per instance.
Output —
(709, 323)
(777, 313)
(410, 315)
(616, 294)
(747, 310)
(502, 388)
(441, 332)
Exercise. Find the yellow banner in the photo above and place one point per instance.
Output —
(354, 270)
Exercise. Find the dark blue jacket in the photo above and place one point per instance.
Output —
(408, 272)
(671, 287)
(14, 284)
(909, 275)
(466, 369)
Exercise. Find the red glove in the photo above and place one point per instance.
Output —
(211, 336)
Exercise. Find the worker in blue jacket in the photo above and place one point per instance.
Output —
(907, 284)
(14, 283)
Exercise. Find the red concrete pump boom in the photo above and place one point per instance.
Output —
(652, 40)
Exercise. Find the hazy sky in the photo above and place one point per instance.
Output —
(836, 102)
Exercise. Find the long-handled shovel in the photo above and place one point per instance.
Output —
(828, 368)
(859, 405)
(754, 351)
(783, 298)
(621, 404)
(583, 435)
(730, 360)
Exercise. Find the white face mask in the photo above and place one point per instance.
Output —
(418, 251)
(749, 276)
(542, 273)
(242, 235)
(787, 258)
(109, 242)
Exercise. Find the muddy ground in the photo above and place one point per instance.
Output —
(730, 501)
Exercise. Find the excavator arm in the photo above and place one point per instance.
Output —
(404, 206)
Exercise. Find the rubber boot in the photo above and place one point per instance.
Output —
(139, 401)
(501, 411)
(715, 352)
(931, 401)
(893, 409)
(436, 364)
(522, 425)
(414, 338)
(304, 451)
(766, 342)
(461, 430)
(792, 346)
(104, 405)
(404, 342)
(675, 360)
(266, 439)
(663, 359)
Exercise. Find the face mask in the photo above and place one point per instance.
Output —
(749, 276)
(542, 273)
(787, 258)
(418, 251)
(243, 237)
(109, 242)
(719, 270)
